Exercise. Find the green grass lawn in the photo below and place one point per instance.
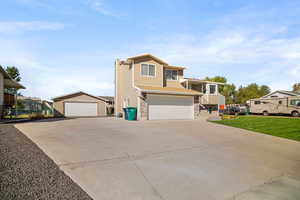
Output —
(277, 126)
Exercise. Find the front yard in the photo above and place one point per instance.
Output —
(277, 126)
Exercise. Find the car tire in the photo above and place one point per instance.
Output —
(265, 113)
(295, 114)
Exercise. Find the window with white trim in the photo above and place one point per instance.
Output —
(212, 89)
(295, 102)
(147, 70)
(171, 74)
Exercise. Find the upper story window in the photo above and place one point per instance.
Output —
(148, 70)
(212, 89)
(171, 74)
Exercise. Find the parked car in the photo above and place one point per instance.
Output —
(235, 110)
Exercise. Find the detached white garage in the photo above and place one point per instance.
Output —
(170, 107)
(83, 109)
(79, 104)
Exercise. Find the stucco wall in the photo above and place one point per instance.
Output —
(212, 99)
(59, 104)
(124, 87)
(1, 93)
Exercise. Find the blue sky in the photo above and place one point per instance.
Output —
(62, 46)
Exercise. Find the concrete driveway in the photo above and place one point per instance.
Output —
(116, 159)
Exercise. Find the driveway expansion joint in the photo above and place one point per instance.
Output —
(148, 181)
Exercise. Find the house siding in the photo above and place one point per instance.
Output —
(174, 83)
(59, 105)
(145, 80)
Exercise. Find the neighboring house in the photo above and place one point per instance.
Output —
(282, 94)
(109, 99)
(110, 103)
(160, 91)
(30, 105)
(7, 99)
(80, 104)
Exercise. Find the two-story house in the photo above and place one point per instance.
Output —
(160, 91)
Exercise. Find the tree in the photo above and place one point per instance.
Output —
(251, 91)
(264, 90)
(296, 87)
(14, 73)
(229, 91)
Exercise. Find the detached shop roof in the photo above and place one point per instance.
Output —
(74, 94)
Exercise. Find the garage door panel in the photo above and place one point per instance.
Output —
(170, 107)
(82, 109)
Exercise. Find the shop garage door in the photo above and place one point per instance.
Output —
(170, 107)
(82, 109)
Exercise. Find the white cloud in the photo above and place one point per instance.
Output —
(46, 81)
(25, 26)
(99, 6)
(58, 82)
(246, 46)
(244, 57)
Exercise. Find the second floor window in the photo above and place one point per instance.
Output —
(148, 70)
(212, 89)
(171, 74)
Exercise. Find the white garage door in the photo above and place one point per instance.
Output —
(75, 109)
(170, 107)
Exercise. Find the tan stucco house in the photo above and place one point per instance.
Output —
(81, 104)
(160, 91)
(6, 98)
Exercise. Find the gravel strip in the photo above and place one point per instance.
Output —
(27, 173)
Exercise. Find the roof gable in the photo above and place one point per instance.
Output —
(67, 96)
(289, 93)
(148, 56)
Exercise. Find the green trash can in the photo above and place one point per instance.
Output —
(131, 113)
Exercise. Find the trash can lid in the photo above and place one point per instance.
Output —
(131, 108)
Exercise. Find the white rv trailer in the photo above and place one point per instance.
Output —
(285, 105)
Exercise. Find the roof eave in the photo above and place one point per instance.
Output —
(202, 81)
(10, 82)
(171, 92)
(74, 93)
(147, 55)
